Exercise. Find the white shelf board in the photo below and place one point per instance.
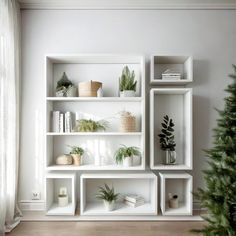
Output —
(56, 210)
(181, 210)
(170, 82)
(95, 99)
(95, 134)
(93, 167)
(97, 208)
(171, 167)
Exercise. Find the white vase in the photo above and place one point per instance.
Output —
(128, 161)
(71, 91)
(127, 93)
(109, 206)
(62, 201)
(170, 157)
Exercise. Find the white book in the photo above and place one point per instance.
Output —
(56, 121)
(61, 123)
(68, 125)
(134, 204)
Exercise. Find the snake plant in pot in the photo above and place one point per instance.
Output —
(167, 141)
(125, 155)
(108, 196)
(127, 83)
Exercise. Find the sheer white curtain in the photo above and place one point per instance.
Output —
(9, 113)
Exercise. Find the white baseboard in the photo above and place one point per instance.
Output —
(32, 205)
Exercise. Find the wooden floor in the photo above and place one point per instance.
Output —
(105, 228)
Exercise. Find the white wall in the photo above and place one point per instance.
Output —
(209, 36)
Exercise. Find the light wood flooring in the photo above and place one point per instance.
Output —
(105, 228)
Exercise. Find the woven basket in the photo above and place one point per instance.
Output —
(89, 89)
(127, 122)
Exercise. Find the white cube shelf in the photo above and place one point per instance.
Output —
(177, 104)
(176, 184)
(106, 68)
(181, 64)
(143, 184)
(55, 181)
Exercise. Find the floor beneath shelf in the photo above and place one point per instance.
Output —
(105, 228)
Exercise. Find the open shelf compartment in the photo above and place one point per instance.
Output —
(180, 64)
(179, 184)
(177, 104)
(143, 184)
(55, 181)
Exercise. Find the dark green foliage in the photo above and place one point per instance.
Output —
(127, 80)
(167, 137)
(64, 82)
(124, 152)
(220, 194)
(106, 193)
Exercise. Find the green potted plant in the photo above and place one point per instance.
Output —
(108, 196)
(89, 125)
(127, 83)
(65, 88)
(76, 153)
(167, 141)
(125, 155)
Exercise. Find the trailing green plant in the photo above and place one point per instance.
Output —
(76, 150)
(64, 83)
(167, 141)
(106, 193)
(124, 152)
(127, 80)
(89, 125)
(219, 194)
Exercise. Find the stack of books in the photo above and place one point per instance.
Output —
(171, 75)
(133, 200)
(61, 122)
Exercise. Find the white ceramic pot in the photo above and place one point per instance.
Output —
(62, 200)
(127, 93)
(71, 91)
(170, 157)
(128, 161)
(110, 206)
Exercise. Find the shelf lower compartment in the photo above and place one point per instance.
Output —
(97, 208)
(56, 210)
(93, 167)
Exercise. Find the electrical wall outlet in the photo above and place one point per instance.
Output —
(35, 195)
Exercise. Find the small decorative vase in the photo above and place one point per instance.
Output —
(173, 201)
(109, 206)
(71, 91)
(62, 200)
(170, 157)
(77, 159)
(100, 92)
(127, 93)
(128, 161)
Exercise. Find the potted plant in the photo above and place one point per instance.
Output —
(125, 155)
(76, 153)
(167, 141)
(127, 83)
(108, 196)
(65, 87)
(89, 125)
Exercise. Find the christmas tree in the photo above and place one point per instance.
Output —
(219, 197)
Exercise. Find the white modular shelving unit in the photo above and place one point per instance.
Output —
(107, 69)
(177, 104)
(54, 181)
(177, 184)
(143, 184)
(182, 64)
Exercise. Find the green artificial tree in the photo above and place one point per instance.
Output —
(219, 197)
